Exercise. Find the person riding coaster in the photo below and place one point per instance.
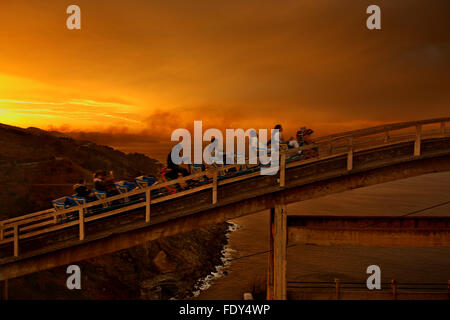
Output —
(194, 169)
(173, 171)
(83, 195)
(167, 175)
(304, 138)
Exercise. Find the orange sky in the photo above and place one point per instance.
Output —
(154, 66)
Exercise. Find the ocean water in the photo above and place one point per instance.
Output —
(247, 265)
(227, 252)
(244, 258)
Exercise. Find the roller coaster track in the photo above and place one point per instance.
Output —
(344, 161)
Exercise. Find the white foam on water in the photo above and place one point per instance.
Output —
(221, 270)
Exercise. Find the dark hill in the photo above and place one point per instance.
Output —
(37, 166)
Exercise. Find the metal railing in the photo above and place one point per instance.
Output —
(341, 287)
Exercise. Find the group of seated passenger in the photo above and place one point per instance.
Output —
(303, 137)
(101, 182)
(104, 184)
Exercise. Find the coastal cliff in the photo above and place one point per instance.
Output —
(37, 166)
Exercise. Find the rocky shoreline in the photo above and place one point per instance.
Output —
(37, 166)
(162, 269)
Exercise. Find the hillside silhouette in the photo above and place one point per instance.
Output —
(37, 166)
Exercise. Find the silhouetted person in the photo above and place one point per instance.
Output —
(175, 169)
(277, 136)
(105, 183)
(81, 190)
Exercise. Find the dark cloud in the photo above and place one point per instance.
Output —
(240, 63)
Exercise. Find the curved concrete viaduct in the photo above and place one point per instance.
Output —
(222, 201)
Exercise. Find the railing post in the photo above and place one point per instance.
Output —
(330, 147)
(1, 232)
(81, 218)
(448, 288)
(283, 169)
(280, 252)
(418, 139)
(248, 296)
(350, 155)
(394, 289)
(443, 133)
(270, 266)
(338, 288)
(5, 290)
(214, 186)
(16, 240)
(147, 205)
(386, 137)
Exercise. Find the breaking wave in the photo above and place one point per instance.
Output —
(221, 270)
